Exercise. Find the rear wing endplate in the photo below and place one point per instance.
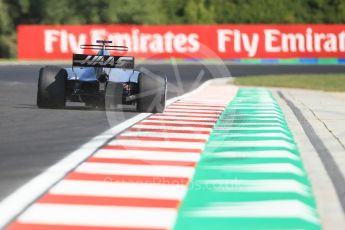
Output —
(84, 60)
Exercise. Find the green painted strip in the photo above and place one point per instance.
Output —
(289, 61)
(328, 61)
(250, 175)
(251, 61)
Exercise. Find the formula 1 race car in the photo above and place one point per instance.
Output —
(102, 81)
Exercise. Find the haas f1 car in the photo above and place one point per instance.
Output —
(102, 81)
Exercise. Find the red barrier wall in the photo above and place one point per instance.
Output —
(187, 41)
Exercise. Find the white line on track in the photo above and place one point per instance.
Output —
(119, 189)
(206, 102)
(178, 122)
(198, 105)
(147, 155)
(159, 144)
(165, 144)
(118, 217)
(168, 127)
(187, 136)
(196, 108)
(183, 118)
(193, 111)
(195, 115)
(135, 170)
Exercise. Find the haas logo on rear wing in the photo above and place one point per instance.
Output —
(83, 60)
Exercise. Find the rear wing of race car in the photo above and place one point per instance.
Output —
(103, 44)
(84, 60)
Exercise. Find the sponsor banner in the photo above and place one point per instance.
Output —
(186, 41)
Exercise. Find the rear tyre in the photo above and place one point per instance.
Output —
(152, 93)
(51, 87)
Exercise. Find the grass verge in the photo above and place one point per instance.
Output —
(326, 82)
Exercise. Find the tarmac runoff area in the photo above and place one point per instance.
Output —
(317, 121)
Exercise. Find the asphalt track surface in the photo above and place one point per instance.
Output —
(33, 139)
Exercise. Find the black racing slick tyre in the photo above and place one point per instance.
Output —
(152, 93)
(51, 87)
